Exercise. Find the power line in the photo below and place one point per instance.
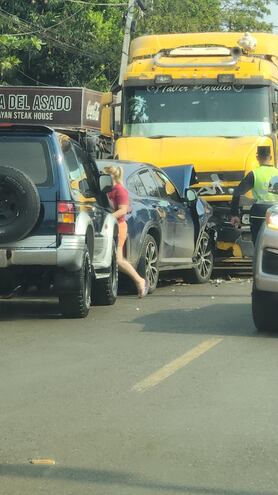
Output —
(100, 4)
(31, 78)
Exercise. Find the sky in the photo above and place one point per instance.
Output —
(274, 15)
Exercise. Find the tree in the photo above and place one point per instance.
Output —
(245, 15)
(79, 42)
(168, 16)
(13, 45)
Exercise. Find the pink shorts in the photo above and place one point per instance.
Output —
(122, 233)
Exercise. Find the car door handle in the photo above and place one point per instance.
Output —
(161, 204)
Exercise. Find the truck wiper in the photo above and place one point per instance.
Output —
(158, 136)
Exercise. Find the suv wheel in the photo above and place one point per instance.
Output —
(201, 272)
(19, 204)
(77, 304)
(105, 290)
(264, 310)
(148, 263)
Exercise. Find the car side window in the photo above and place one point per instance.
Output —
(82, 163)
(76, 172)
(70, 160)
(135, 185)
(149, 183)
(167, 189)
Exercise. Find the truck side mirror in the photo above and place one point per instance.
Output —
(107, 99)
(106, 120)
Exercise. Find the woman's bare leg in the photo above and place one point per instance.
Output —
(128, 269)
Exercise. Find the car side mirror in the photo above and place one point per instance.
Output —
(273, 185)
(190, 196)
(105, 183)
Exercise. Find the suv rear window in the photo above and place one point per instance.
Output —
(29, 155)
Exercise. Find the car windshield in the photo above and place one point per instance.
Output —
(203, 110)
(29, 155)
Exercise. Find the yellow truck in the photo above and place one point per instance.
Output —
(208, 99)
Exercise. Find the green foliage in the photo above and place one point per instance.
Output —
(71, 43)
(245, 15)
(173, 16)
(168, 16)
(80, 42)
(13, 45)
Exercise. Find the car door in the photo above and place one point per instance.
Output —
(180, 214)
(95, 210)
(79, 185)
(154, 200)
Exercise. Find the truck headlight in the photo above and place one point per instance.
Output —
(271, 219)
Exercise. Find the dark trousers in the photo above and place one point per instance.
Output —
(257, 218)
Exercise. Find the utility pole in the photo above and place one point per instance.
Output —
(125, 49)
(126, 41)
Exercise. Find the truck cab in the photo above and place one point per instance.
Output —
(207, 99)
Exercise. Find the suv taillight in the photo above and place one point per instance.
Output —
(66, 218)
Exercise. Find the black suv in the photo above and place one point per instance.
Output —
(57, 234)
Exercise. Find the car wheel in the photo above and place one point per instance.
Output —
(264, 310)
(201, 272)
(148, 263)
(105, 290)
(19, 204)
(77, 304)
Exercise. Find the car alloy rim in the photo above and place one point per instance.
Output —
(151, 264)
(204, 257)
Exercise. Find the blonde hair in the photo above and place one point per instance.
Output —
(117, 173)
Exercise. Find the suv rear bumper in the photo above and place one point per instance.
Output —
(42, 251)
(68, 255)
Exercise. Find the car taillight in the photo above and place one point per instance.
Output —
(66, 218)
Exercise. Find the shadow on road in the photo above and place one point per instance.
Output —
(31, 309)
(124, 479)
(216, 319)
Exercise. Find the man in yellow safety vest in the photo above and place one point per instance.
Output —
(258, 182)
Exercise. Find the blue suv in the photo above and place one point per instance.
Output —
(56, 230)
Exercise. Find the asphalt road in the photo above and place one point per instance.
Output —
(173, 394)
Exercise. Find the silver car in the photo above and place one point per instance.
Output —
(265, 269)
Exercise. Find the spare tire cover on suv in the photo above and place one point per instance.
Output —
(19, 204)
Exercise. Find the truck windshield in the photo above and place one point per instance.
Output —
(203, 110)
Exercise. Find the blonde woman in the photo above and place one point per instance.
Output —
(120, 202)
